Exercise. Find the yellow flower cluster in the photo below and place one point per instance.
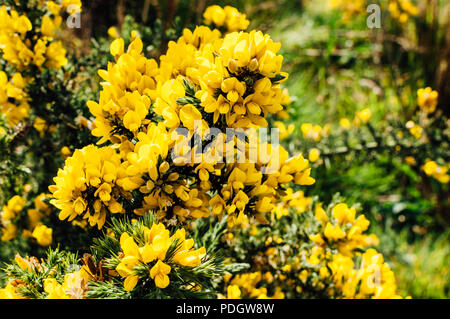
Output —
(163, 187)
(292, 200)
(401, 10)
(37, 229)
(350, 8)
(427, 99)
(74, 286)
(284, 131)
(13, 98)
(228, 16)
(42, 127)
(415, 129)
(234, 77)
(43, 235)
(125, 98)
(337, 255)
(152, 254)
(245, 286)
(87, 186)
(314, 132)
(335, 259)
(8, 215)
(345, 124)
(237, 79)
(25, 46)
(10, 291)
(66, 4)
(371, 278)
(343, 229)
(22, 48)
(431, 168)
(11, 215)
(362, 116)
(202, 81)
(314, 155)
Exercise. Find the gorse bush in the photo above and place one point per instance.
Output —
(160, 180)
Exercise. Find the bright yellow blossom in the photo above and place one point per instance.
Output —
(87, 186)
(43, 235)
(427, 99)
(153, 251)
(227, 16)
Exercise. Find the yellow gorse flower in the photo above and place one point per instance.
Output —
(372, 278)
(25, 45)
(283, 130)
(75, 4)
(228, 17)
(87, 186)
(314, 155)
(344, 123)
(159, 273)
(362, 116)
(350, 8)
(343, 229)
(312, 131)
(431, 168)
(10, 292)
(21, 50)
(124, 100)
(247, 285)
(8, 214)
(14, 101)
(292, 200)
(74, 286)
(414, 129)
(335, 255)
(153, 254)
(401, 10)
(427, 99)
(43, 235)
